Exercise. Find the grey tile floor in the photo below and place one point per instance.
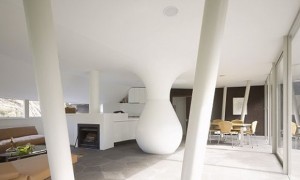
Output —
(128, 162)
(120, 162)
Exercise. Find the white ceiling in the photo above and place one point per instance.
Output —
(123, 38)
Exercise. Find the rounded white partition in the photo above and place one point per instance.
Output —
(159, 130)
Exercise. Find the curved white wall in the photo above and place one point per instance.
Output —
(159, 130)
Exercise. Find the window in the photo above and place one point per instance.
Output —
(34, 109)
(11, 108)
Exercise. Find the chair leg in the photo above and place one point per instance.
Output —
(294, 144)
(219, 138)
(249, 139)
(255, 139)
(231, 140)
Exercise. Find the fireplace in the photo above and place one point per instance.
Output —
(88, 135)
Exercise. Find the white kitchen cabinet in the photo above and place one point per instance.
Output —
(125, 130)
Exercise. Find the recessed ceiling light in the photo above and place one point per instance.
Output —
(170, 11)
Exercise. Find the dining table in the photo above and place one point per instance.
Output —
(242, 127)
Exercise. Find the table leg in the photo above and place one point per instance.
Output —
(242, 137)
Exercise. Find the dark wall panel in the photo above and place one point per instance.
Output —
(233, 93)
(217, 106)
(183, 93)
(255, 109)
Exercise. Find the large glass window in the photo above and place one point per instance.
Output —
(295, 124)
(34, 109)
(11, 108)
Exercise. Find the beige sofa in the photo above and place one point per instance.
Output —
(33, 168)
(21, 136)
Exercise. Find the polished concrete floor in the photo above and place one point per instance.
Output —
(222, 162)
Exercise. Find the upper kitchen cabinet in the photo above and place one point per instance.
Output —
(137, 95)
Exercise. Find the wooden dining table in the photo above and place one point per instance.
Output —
(242, 127)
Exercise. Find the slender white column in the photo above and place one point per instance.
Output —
(204, 87)
(26, 108)
(269, 111)
(243, 114)
(284, 105)
(94, 106)
(266, 109)
(274, 110)
(43, 42)
(224, 103)
(287, 106)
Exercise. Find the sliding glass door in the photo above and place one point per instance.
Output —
(295, 131)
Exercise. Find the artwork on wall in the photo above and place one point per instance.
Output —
(238, 106)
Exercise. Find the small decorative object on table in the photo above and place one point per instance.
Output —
(20, 150)
(23, 150)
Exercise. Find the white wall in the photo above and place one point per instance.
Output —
(132, 109)
(180, 109)
(111, 107)
(129, 108)
(20, 122)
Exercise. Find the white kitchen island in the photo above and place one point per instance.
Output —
(113, 127)
(125, 128)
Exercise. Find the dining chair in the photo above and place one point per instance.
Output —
(226, 129)
(295, 133)
(251, 132)
(237, 121)
(213, 128)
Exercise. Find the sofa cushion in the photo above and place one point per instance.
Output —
(17, 132)
(32, 139)
(8, 171)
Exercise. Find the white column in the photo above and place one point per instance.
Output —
(287, 106)
(45, 59)
(204, 87)
(266, 109)
(269, 111)
(26, 108)
(274, 114)
(94, 91)
(224, 102)
(246, 97)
